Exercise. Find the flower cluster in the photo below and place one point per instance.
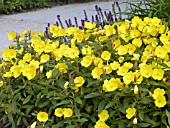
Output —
(113, 69)
(158, 95)
(67, 112)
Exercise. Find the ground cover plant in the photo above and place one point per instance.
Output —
(115, 76)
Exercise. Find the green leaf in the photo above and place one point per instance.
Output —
(148, 120)
(44, 104)
(101, 106)
(19, 121)
(120, 124)
(145, 100)
(78, 100)
(82, 120)
(141, 115)
(63, 102)
(143, 125)
(92, 95)
(27, 99)
(59, 124)
(168, 115)
(110, 104)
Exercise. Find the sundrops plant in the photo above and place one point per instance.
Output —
(116, 76)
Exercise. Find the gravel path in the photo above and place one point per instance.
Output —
(38, 20)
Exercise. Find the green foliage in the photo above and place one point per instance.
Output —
(11, 6)
(148, 8)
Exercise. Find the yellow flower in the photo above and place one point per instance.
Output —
(134, 33)
(16, 70)
(68, 112)
(87, 50)
(27, 57)
(121, 59)
(12, 35)
(107, 69)
(44, 58)
(8, 54)
(35, 63)
(158, 74)
(122, 70)
(115, 65)
(79, 81)
(160, 101)
(137, 42)
(135, 121)
(103, 115)
(161, 52)
(146, 70)
(109, 30)
(1, 83)
(89, 25)
(42, 116)
(49, 74)
(128, 78)
(55, 44)
(136, 89)
(8, 74)
(111, 85)
(58, 112)
(106, 55)
(98, 62)
(62, 67)
(101, 124)
(29, 71)
(96, 72)
(48, 48)
(130, 112)
(122, 49)
(86, 61)
(158, 92)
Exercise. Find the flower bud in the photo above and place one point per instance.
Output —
(33, 125)
(66, 84)
(136, 89)
(135, 121)
(41, 68)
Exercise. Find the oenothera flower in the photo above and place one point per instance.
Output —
(8, 54)
(115, 65)
(12, 35)
(103, 115)
(49, 74)
(101, 124)
(16, 70)
(42, 116)
(62, 67)
(44, 58)
(157, 74)
(68, 112)
(158, 92)
(58, 112)
(106, 55)
(79, 81)
(27, 57)
(130, 112)
(86, 61)
(160, 101)
(96, 72)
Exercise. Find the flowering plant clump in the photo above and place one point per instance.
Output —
(92, 77)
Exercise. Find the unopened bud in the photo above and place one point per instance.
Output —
(135, 121)
(136, 89)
